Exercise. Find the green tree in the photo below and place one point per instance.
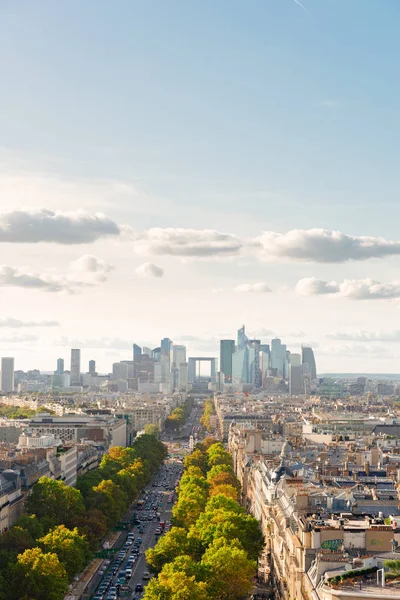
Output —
(31, 524)
(189, 506)
(16, 540)
(71, 547)
(196, 459)
(56, 501)
(111, 500)
(151, 429)
(171, 545)
(393, 566)
(230, 571)
(38, 576)
(226, 489)
(173, 583)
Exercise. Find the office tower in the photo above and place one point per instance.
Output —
(147, 351)
(296, 384)
(156, 353)
(307, 358)
(92, 367)
(144, 368)
(178, 355)
(60, 366)
(75, 366)
(278, 357)
(7, 375)
(226, 351)
(166, 345)
(137, 351)
(242, 338)
(243, 365)
(131, 367)
(183, 377)
(120, 371)
(295, 360)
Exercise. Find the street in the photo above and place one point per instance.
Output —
(151, 512)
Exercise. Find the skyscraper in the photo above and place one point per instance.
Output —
(137, 351)
(242, 338)
(75, 366)
(92, 367)
(178, 355)
(226, 351)
(60, 366)
(307, 358)
(7, 375)
(120, 371)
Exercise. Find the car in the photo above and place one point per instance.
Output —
(139, 587)
(139, 540)
(128, 573)
(98, 597)
(158, 531)
(146, 575)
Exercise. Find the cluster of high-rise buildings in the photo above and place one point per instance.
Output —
(244, 364)
(253, 364)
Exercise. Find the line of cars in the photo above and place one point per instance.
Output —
(116, 577)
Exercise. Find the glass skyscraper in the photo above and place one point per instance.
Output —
(226, 351)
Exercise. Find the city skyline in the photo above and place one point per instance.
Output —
(190, 186)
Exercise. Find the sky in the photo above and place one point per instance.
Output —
(178, 169)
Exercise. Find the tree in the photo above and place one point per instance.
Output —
(111, 500)
(227, 490)
(174, 583)
(393, 566)
(71, 547)
(38, 576)
(16, 540)
(190, 505)
(171, 545)
(230, 572)
(93, 525)
(151, 429)
(56, 501)
(31, 524)
(196, 459)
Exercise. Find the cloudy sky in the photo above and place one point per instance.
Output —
(180, 168)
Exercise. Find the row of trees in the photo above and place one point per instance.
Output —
(207, 412)
(64, 525)
(212, 548)
(179, 415)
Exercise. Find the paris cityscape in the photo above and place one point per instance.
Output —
(199, 300)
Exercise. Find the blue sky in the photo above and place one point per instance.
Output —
(235, 116)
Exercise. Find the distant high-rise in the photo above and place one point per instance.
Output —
(296, 384)
(226, 351)
(7, 375)
(60, 366)
(75, 366)
(242, 338)
(278, 357)
(137, 351)
(178, 355)
(166, 345)
(92, 367)
(308, 358)
(120, 371)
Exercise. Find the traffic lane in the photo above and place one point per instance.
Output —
(137, 576)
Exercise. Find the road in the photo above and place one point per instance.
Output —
(159, 491)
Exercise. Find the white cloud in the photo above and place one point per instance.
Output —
(18, 339)
(366, 336)
(200, 243)
(11, 323)
(356, 289)
(256, 288)
(90, 269)
(100, 343)
(85, 271)
(44, 225)
(310, 286)
(149, 270)
(323, 246)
